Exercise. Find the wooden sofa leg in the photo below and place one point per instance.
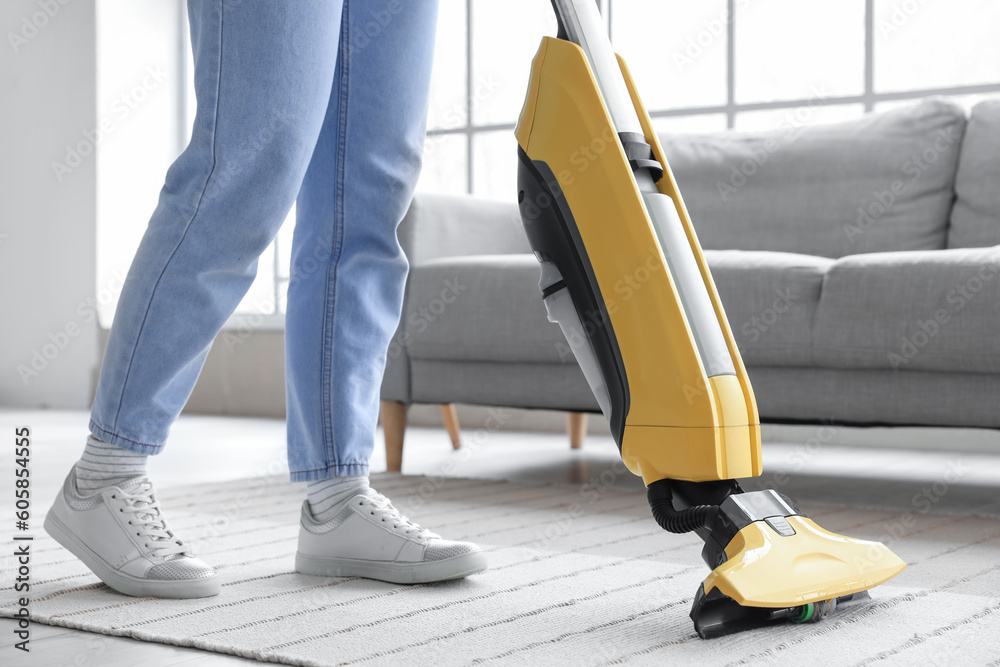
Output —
(394, 426)
(576, 426)
(450, 418)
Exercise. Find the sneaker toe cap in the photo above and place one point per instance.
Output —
(177, 569)
(444, 549)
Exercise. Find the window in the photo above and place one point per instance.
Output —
(141, 116)
(146, 106)
(701, 67)
(706, 66)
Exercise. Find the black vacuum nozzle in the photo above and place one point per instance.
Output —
(716, 615)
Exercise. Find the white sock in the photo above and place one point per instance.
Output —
(103, 464)
(327, 496)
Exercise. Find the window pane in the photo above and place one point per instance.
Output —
(447, 95)
(794, 117)
(137, 134)
(799, 49)
(283, 295)
(285, 235)
(936, 44)
(676, 51)
(495, 155)
(505, 36)
(709, 122)
(444, 169)
(260, 297)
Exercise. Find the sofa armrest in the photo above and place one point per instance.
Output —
(448, 226)
(437, 226)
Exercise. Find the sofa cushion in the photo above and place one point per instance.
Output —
(770, 299)
(481, 308)
(489, 308)
(879, 183)
(516, 384)
(975, 217)
(922, 310)
(876, 397)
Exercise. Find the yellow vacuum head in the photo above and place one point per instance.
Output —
(771, 563)
(798, 563)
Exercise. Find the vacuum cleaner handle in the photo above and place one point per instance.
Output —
(581, 23)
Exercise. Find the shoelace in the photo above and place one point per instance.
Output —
(146, 520)
(382, 507)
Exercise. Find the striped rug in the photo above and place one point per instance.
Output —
(579, 575)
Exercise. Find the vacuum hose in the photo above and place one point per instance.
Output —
(677, 521)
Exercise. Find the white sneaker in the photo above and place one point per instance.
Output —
(120, 534)
(370, 538)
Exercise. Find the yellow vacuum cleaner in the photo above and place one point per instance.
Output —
(623, 275)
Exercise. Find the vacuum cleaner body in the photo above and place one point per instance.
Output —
(670, 416)
(623, 275)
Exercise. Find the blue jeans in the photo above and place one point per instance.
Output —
(322, 103)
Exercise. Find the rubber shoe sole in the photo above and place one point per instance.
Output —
(396, 573)
(126, 583)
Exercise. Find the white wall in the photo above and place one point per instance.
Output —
(48, 247)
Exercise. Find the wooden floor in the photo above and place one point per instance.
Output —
(216, 448)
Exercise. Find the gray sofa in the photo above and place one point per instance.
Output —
(858, 264)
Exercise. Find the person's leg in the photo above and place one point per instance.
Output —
(263, 71)
(345, 296)
(348, 270)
